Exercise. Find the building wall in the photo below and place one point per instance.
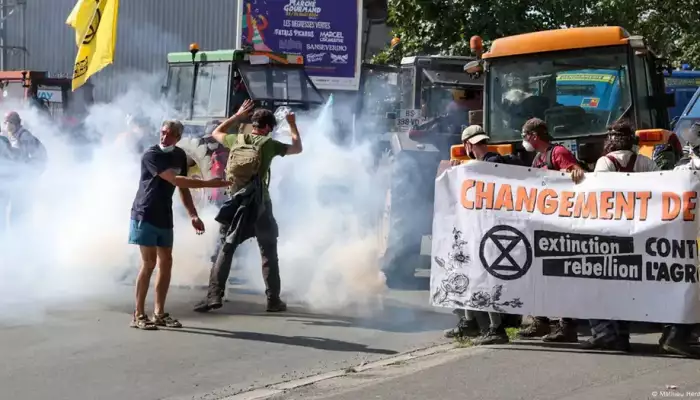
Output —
(147, 30)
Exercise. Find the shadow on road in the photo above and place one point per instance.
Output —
(304, 341)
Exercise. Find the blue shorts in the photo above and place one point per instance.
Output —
(144, 234)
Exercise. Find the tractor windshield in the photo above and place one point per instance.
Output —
(180, 79)
(577, 93)
(279, 84)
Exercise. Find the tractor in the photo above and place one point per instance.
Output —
(433, 99)
(207, 87)
(531, 75)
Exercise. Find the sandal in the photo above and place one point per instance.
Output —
(165, 320)
(142, 322)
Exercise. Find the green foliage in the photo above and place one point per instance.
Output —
(445, 26)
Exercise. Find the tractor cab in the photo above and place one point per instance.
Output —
(435, 101)
(211, 85)
(578, 80)
(207, 87)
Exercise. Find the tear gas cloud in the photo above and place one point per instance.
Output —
(73, 243)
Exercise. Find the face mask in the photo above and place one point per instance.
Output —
(528, 146)
(167, 149)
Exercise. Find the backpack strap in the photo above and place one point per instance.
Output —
(627, 168)
(630, 164)
(240, 138)
(548, 157)
(616, 163)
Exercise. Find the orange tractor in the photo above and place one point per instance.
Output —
(530, 75)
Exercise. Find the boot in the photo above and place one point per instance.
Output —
(493, 336)
(464, 329)
(538, 328)
(677, 341)
(564, 333)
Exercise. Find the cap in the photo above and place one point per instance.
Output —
(474, 134)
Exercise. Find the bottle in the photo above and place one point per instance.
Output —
(281, 117)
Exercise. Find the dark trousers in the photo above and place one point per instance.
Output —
(266, 232)
(607, 330)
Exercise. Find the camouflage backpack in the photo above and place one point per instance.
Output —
(244, 161)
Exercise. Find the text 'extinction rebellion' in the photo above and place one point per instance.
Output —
(614, 258)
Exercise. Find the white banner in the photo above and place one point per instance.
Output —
(523, 241)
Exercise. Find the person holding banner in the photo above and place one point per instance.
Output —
(475, 142)
(555, 157)
(619, 157)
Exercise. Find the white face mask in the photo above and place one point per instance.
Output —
(528, 146)
(167, 149)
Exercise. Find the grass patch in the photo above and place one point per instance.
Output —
(512, 333)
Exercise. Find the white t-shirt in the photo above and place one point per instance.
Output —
(643, 163)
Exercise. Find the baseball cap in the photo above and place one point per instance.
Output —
(474, 134)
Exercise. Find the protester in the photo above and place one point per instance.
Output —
(163, 167)
(676, 338)
(619, 156)
(473, 323)
(248, 213)
(558, 158)
(30, 157)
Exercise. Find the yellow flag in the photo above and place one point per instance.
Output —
(95, 25)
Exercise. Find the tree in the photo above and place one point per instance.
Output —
(445, 26)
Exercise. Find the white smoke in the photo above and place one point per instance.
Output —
(73, 245)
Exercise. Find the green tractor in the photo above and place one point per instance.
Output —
(206, 87)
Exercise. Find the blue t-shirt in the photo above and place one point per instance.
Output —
(154, 199)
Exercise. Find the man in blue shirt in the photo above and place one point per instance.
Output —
(163, 167)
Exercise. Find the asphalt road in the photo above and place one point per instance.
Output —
(88, 351)
(523, 371)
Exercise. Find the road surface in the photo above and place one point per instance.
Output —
(89, 352)
(521, 371)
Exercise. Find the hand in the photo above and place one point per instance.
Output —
(198, 225)
(291, 118)
(577, 175)
(245, 109)
(218, 183)
(454, 163)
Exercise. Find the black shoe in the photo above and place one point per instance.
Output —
(464, 329)
(276, 305)
(493, 336)
(563, 334)
(208, 305)
(616, 344)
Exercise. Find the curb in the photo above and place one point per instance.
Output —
(274, 389)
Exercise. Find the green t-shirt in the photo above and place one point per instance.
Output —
(269, 150)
